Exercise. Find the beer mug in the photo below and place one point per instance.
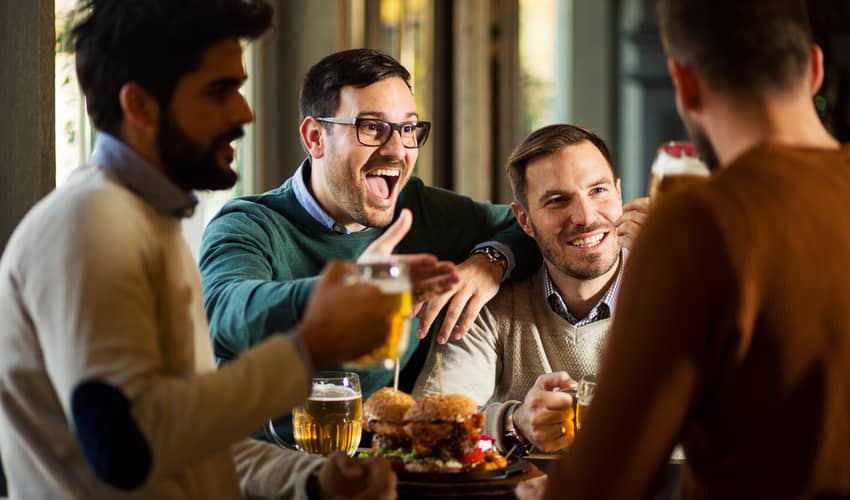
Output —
(584, 397)
(393, 278)
(329, 420)
(676, 165)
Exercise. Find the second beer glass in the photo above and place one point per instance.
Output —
(329, 420)
(676, 165)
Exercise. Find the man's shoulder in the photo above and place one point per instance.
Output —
(516, 298)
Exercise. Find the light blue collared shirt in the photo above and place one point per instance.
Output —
(141, 177)
(309, 203)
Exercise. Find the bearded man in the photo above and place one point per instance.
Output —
(541, 334)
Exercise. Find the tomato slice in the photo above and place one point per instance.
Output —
(473, 457)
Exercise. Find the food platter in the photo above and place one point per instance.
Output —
(515, 467)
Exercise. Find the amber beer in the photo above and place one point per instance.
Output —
(393, 278)
(329, 420)
(676, 166)
(584, 397)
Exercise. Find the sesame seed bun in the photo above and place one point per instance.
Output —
(387, 405)
(445, 407)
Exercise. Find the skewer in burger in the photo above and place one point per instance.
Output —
(441, 433)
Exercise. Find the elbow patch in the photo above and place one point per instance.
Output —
(108, 435)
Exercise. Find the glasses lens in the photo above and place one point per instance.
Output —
(373, 132)
(418, 135)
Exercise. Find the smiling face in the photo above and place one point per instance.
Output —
(573, 201)
(205, 115)
(359, 185)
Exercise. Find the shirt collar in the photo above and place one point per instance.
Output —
(602, 309)
(141, 177)
(309, 203)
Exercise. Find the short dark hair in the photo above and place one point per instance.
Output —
(749, 46)
(153, 43)
(544, 141)
(355, 67)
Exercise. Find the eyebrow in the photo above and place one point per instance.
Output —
(382, 116)
(558, 192)
(227, 81)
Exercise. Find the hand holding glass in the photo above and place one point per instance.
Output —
(329, 420)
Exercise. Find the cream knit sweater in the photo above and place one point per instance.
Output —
(515, 338)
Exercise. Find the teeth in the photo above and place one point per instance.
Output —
(589, 241)
(391, 172)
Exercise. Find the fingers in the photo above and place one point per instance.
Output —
(381, 481)
(429, 313)
(351, 469)
(386, 243)
(335, 271)
(551, 381)
(531, 489)
(473, 307)
(637, 204)
(453, 314)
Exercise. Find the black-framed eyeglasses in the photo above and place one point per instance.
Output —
(376, 133)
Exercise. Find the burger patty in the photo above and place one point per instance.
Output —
(445, 439)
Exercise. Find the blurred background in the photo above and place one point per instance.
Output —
(485, 72)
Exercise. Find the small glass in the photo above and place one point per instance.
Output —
(393, 278)
(329, 420)
(676, 165)
(584, 397)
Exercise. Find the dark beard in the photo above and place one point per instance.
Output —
(187, 163)
(706, 151)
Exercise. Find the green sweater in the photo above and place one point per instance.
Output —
(261, 254)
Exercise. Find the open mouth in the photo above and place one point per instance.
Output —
(382, 182)
(588, 241)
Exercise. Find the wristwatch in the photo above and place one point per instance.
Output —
(493, 257)
(513, 437)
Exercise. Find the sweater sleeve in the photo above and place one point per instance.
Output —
(469, 366)
(450, 225)
(243, 300)
(268, 471)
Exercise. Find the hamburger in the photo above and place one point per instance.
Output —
(383, 416)
(440, 433)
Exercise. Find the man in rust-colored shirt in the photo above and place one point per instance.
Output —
(732, 333)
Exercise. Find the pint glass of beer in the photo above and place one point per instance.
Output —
(329, 420)
(676, 165)
(393, 278)
(584, 397)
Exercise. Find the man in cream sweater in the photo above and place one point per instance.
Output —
(540, 335)
(107, 376)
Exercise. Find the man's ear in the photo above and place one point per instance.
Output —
(312, 136)
(522, 218)
(688, 92)
(141, 110)
(817, 69)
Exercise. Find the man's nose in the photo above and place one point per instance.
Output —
(582, 211)
(394, 148)
(242, 112)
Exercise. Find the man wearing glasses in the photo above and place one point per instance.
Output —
(261, 254)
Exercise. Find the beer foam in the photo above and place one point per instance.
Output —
(392, 286)
(327, 392)
(686, 165)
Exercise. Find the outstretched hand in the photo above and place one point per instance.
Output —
(429, 277)
(479, 282)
